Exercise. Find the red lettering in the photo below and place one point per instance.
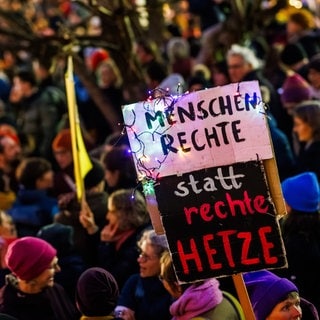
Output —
(204, 210)
(210, 252)
(217, 210)
(258, 203)
(184, 257)
(188, 211)
(247, 237)
(267, 245)
(233, 203)
(226, 244)
(247, 202)
(222, 209)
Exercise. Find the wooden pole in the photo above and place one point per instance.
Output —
(243, 296)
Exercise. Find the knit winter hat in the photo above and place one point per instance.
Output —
(97, 57)
(95, 175)
(292, 53)
(59, 235)
(97, 293)
(295, 89)
(62, 140)
(266, 290)
(28, 257)
(302, 192)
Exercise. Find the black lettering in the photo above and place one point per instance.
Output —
(236, 131)
(167, 145)
(157, 117)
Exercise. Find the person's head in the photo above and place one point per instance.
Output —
(7, 226)
(294, 90)
(97, 57)
(145, 51)
(34, 262)
(314, 71)
(35, 173)
(127, 209)
(108, 74)
(306, 121)
(220, 73)
(94, 179)
(168, 276)
(178, 48)
(62, 148)
(119, 168)
(24, 82)
(241, 61)
(60, 236)
(293, 56)
(302, 192)
(197, 82)
(298, 21)
(272, 297)
(96, 293)
(151, 247)
(10, 152)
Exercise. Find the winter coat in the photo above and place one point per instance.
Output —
(50, 304)
(98, 202)
(32, 210)
(147, 297)
(37, 120)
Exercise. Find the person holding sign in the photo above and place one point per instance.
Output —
(200, 300)
(116, 244)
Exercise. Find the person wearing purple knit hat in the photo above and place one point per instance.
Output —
(272, 297)
(295, 90)
(30, 291)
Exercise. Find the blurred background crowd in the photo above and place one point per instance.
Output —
(122, 51)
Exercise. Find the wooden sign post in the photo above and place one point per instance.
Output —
(207, 156)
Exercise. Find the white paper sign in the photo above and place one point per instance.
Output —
(208, 128)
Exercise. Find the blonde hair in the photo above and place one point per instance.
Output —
(109, 63)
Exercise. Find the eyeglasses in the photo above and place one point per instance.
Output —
(236, 66)
(144, 257)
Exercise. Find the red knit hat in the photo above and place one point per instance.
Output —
(97, 57)
(295, 89)
(28, 257)
(62, 140)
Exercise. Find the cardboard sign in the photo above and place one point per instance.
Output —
(208, 128)
(220, 221)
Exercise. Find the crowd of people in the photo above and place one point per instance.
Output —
(101, 258)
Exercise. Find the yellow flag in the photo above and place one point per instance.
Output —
(81, 159)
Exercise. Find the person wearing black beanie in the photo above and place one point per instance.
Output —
(96, 294)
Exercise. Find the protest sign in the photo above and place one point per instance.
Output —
(209, 128)
(220, 221)
(205, 154)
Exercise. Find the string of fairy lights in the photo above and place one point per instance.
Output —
(161, 104)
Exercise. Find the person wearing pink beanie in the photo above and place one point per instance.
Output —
(30, 291)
